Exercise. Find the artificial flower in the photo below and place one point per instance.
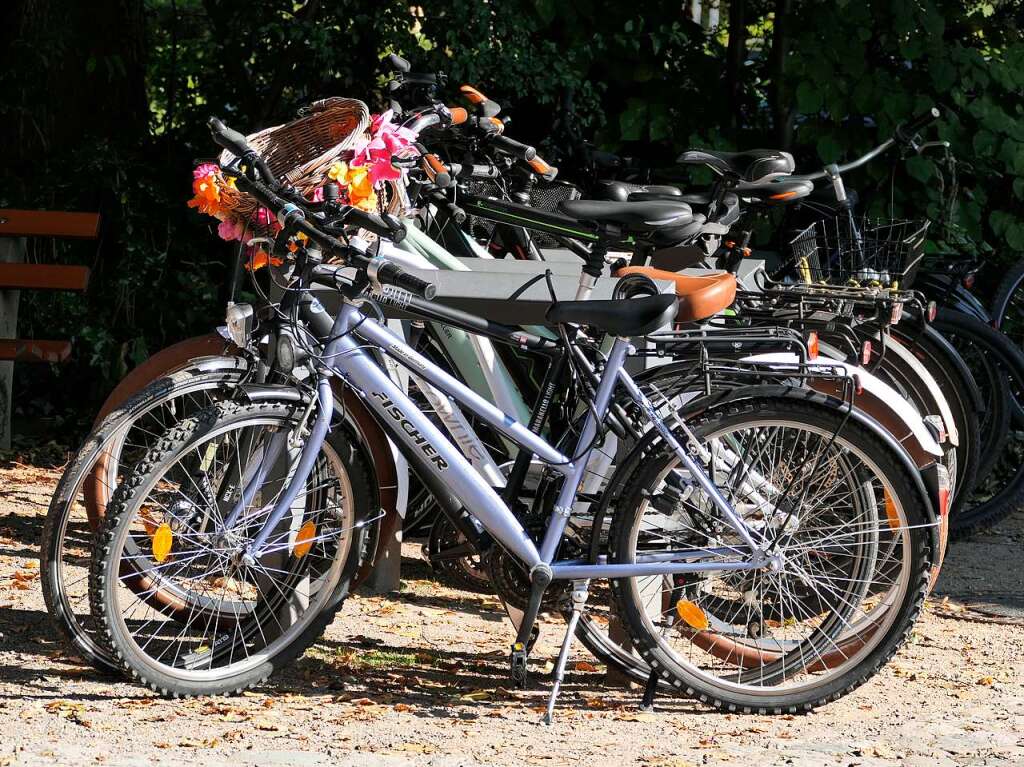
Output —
(231, 228)
(386, 141)
(360, 188)
(337, 171)
(261, 258)
(206, 189)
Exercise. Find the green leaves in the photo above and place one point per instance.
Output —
(633, 121)
(808, 98)
(829, 149)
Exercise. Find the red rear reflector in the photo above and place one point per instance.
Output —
(943, 502)
(865, 353)
(812, 345)
(783, 195)
(933, 310)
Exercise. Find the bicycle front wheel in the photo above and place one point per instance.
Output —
(164, 532)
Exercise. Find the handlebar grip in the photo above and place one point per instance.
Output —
(382, 225)
(392, 274)
(459, 115)
(398, 64)
(542, 169)
(229, 139)
(436, 170)
(514, 148)
(922, 121)
(472, 94)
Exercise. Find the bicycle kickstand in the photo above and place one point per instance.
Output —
(647, 704)
(579, 601)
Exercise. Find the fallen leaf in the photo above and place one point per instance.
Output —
(476, 695)
(419, 748)
(635, 716)
(986, 681)
(582, 665)
(266, 725)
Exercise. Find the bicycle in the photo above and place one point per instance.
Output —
(885, 565)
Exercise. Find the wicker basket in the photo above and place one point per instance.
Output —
(302, 151)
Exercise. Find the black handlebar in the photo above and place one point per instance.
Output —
(229, 139)
(398, 64)
(388, 273)
(235, 143)
(922, 121)
(514, 148)
(293, 217)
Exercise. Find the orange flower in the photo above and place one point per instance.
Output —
(207, 194)
(260, 259)
(357, 183)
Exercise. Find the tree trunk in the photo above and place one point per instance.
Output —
(780, 99)
(78, 70)
(735, 55)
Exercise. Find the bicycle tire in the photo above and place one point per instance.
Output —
(998, 351)
(956, 383)
(71, 614)
(105, 568)
(869, 657)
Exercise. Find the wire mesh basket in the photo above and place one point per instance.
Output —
(543, 196)
(847, 250)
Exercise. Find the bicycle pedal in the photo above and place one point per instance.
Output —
(517, 665)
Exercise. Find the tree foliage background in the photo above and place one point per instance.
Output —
(103, 104)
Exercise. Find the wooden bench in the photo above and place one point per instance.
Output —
(15, 276)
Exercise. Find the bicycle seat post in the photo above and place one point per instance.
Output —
(592, 269)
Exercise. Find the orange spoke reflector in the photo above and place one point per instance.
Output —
(304, 539)
(692, 615)
(890, 512)
(163, 538)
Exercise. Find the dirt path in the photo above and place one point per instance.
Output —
(421, 679)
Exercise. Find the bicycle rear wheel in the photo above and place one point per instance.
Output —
(849, 527)
(998, 367)
(107, 454)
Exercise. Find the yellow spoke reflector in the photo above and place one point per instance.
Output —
(890, 512)
(163, 538)
(304, 539)
(692, 615)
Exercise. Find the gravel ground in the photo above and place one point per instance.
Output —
(420, 677)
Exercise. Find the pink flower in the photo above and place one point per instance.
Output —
(264, 217)
(387, 140)
(231, 229)
(206, 169)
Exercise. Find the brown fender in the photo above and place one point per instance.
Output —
(374, 441)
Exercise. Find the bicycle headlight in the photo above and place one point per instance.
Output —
(239, 320)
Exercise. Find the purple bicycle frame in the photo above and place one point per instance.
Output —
(347, 356)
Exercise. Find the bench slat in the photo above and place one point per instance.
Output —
(43, 277)
(34, 351)
(48, 223)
